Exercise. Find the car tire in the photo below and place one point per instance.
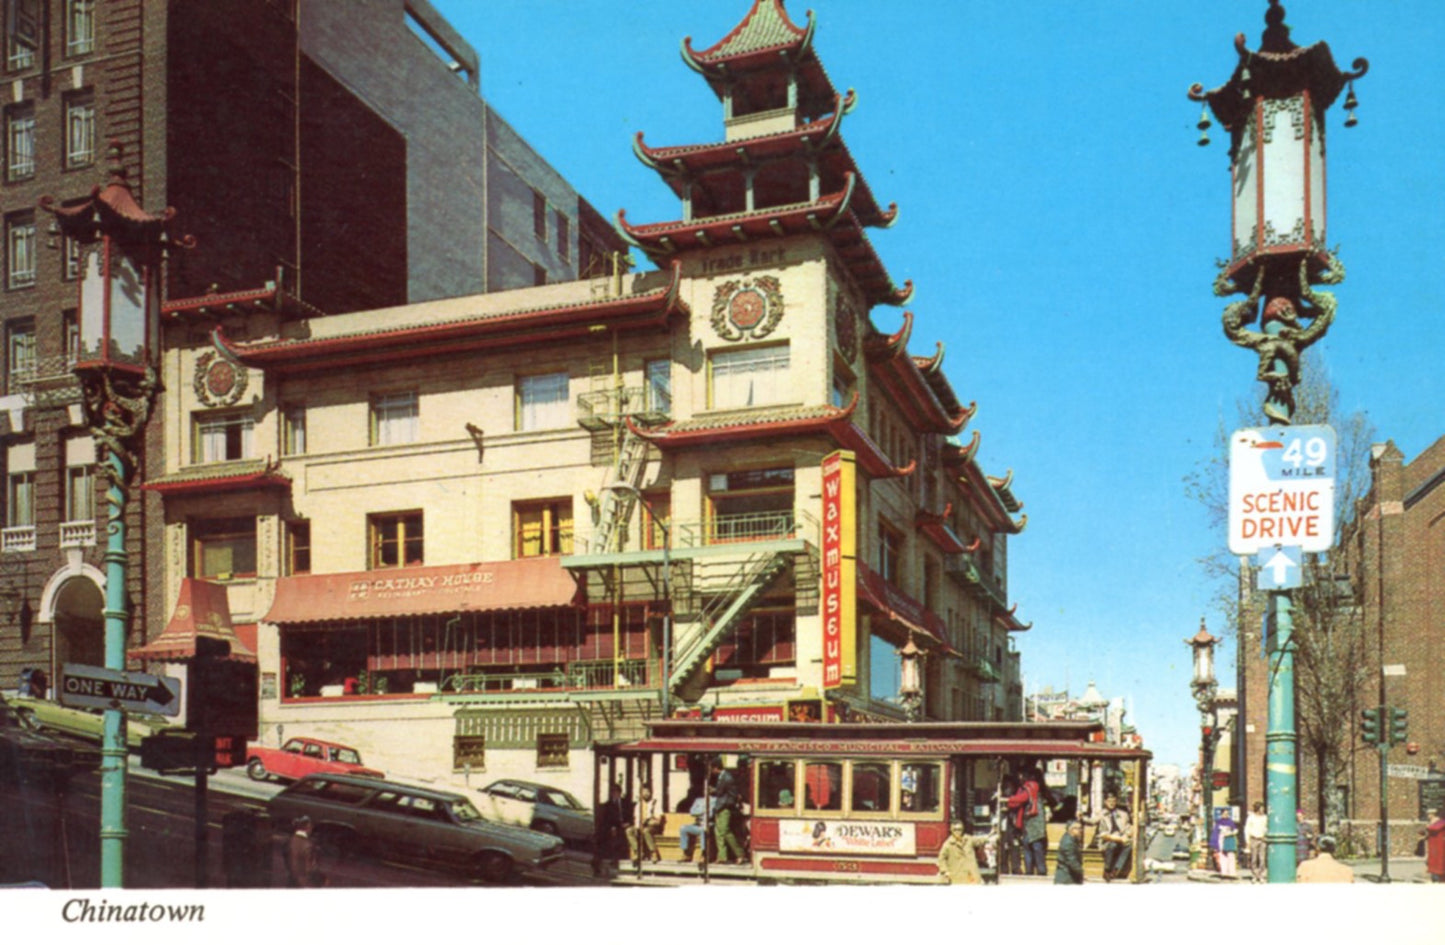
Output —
(494, 867)
(256, 770)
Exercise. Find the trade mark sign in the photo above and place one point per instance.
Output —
(1282, 488)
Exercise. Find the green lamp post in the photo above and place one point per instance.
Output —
(122, 248)
(1273, 107)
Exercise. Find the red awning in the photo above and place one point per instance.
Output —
(403, 592)
(893, 605)
(202, 610)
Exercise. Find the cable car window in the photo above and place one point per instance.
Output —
(823, 785)
(921, 787)
(872, 786)
(776, 784)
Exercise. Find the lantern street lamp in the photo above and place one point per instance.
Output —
(910, 684)
(122, 251)
(1205, 687)
(1273, 107)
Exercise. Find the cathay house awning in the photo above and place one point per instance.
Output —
(525, 584)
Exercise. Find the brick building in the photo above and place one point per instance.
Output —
(1390, 562)
(500, 527)
(292, 141)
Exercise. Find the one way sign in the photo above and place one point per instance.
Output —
(1279, 568)
(95, 687)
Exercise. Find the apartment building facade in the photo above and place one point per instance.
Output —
(477, 535)
(298, 143)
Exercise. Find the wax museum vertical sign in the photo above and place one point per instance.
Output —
(840, 570)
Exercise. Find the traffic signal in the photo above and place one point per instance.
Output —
(1399, 725)
(1370, 729)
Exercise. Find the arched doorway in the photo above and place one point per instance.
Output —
(79, 623)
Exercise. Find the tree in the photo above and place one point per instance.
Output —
(1330, 657)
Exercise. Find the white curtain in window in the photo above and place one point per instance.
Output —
(396, 419)
(749, 377)
(543, 402)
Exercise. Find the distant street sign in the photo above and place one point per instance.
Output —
(1281, 488)
(95, 687)
(1412, 772)
(1278, 568)
(1393, 669)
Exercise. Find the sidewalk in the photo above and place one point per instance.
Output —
(1403, 869)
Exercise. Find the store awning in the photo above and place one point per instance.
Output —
(202, 610)
(896, 607)
(525, 584)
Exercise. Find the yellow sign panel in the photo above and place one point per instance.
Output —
(840, 570)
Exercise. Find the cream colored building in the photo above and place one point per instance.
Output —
(459, 532)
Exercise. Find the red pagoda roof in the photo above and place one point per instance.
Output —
(765, 42)
(927, 402)
(770, 423)
(935, 527)
(498, 330)
(990, 504)
(221, 477)
(112, 210)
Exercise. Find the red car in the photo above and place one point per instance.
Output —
(302, 756)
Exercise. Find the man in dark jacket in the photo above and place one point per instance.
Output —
(729, 850)
(1069, 870)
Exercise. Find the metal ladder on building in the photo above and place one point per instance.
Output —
(614, 506)
(720, 617)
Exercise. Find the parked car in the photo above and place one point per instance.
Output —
(88, 724)
(31, 756)
(435, 828)
(302, 756)
(538, 806)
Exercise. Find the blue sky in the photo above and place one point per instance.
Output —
(1060, 226)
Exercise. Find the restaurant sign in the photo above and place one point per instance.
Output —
(846, 836)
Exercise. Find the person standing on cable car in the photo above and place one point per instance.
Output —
(729, 850)
(1026, 806)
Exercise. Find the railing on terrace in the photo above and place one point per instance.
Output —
(599, 409)
(736, 529)
(582, 675)
(21, 538)
(77, 534)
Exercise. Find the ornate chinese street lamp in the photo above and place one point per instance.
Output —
(910, 680)
(1273, 107)
(122, 251)
(1205, 687)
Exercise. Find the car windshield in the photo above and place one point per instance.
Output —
(559, 799)
(463, 811)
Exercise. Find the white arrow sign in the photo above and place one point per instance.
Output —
(1279, 568)
(95, 687)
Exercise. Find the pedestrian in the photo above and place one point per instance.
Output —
(647, 821)
(1224, 841)
(729, 850)
(1069, 870)
(608, 839)
(695, 833)
(1026, 806)
(1112, 830)
(1256, 829)
(958, 857)
(303, 858)
(1304, 837)
(1008, 858)
(1435, 847)
(1324, 868)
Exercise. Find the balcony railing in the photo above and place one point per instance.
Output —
(734, 529)
(581, 675)
(600, 409)
(77, 534)
(21, 538)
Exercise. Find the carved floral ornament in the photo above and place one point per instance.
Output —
(845, 324)
(747, 308)
(219, 381)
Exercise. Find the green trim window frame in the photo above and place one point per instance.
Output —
(748, 377)
(541, 402)
(20, 249)
(79, 27)
(542, 528)
(223, 549)
(80, 129)
(293, 430)
(79, 493)
(20, 500)
(657, 381)
(20, 360)
(395, 418)
(20, 141)
(220, 437)
(395, 540)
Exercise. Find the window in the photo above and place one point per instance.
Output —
(20, 250)
(71, 272)
(542, 402)
(19, 142)
(823, 785)
(748, 377)
(20, 501)
(298, 547)
(552, 749)
(922, 787)
(293, 430)
(539, 215)
(539, 274)
(563, 235)
(394, 419)
(542, 528)
(656, 520)
(20, 354)
(80, 130)
(872, 786)
(890, 552)
(79, 27)
(750, 505)
(223, 548)
(658, 375)
(396, 539)
(79, 493)
(223, 437)
(70, 325)
(776, 784)
(22, 33)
